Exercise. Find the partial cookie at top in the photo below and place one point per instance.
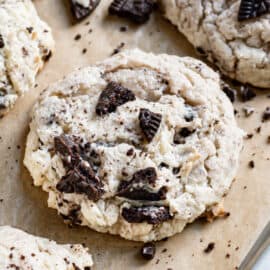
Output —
(26, 43)
(20, 250)
(138, 145)
(220, 30)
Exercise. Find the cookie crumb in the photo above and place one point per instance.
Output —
(77, 37)
(248, 111)
(251, 164)
(209, 248)
(118, 48)
(148, 251)
(266, 114)
(246, 93)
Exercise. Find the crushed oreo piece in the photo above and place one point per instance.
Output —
(2, 43)
(150, 214)
(137, 11)
(253, 8)
(179, 137)
(65, 145)
(80, 12)
(210, 247)
(230, 92)
(148, 251)
(149, 123)
(247, 93)
(81, 180)
(266, 114)
(248, 111)
(80, 177)
(138, 187)
(113, 96)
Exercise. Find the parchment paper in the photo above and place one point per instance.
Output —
(25, 206)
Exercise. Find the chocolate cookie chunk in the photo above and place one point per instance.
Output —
(148, 251)
(149, 214)
(79, 11)
(253, 8)
(138, 188)
(80, 177)
(113, 96)
(81, 180)
(136, 10)
(149, 123)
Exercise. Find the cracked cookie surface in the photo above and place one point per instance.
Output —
(239, 48)
(26, 43)
(163, 151)
(20, 250)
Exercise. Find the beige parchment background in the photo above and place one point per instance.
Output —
(25, 206)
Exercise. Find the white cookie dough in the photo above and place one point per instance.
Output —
(22, 251)
(193, 171)
(239, 49)
(26, 43)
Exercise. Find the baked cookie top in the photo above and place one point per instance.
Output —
(138, 145)
(20, 250)
(223, 32)
(25, 44)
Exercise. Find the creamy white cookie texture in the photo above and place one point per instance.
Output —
(22, 251)
(26, 43)
(233, 34)
(138, 145)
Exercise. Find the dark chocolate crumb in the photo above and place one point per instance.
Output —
(123, 28)
(84, 51)
(78, 37)
(249, 136)
(148, 251)
(247, 93)
(130, 152)
(227, 256)
(210, 247)
(266, 114)
(251, 164)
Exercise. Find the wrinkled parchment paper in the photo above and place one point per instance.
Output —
(25, 206)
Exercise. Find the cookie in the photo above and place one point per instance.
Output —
(138, 145)
(20, 250)
(26, 43)
(234, 35)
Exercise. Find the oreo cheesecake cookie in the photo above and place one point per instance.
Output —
(234, 35)
(26, 43)
(138, 145)
(22, 251)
